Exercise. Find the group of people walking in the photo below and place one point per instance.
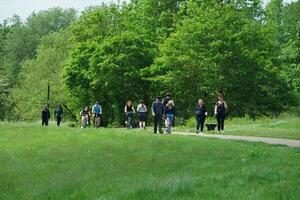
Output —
(162, 110)
(219, 113)
(58, 114)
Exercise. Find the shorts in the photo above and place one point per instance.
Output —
(142, 116)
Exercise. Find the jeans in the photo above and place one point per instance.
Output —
(170, 120)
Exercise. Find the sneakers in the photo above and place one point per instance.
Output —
(197, 132)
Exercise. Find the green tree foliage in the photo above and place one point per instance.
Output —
(31, 92)
(19, 40)
(290, 50)
(193, 48)
(220, 49)
(23, 38)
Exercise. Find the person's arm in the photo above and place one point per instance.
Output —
(215, 109)
(146, 108)
(100, 109)
(125, 109)
(80, 113)
(133, 109)
(93, 109)
(152, 109)
(62, 112)
(138, 108)
(205, 111)
(225, 105)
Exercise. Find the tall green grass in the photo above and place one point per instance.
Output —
(71, 163)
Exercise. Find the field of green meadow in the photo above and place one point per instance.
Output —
(72, 163)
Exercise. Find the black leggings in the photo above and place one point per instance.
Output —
(220, 120)
(200, 124)
(45, 121)
(58, 119)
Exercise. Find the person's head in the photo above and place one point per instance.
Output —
(158, 98)
(58, 105)
(200, 102)
(86, 108)
(220, 98)
(142, 102)
(129, 103)
(97, 103)
(168, 94)
(170, 103)
(46, 106)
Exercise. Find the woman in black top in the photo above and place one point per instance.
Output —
(200, 115)
(45, 115)
(128, 110)
(220, 113)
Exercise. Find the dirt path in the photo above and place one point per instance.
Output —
(290, 143)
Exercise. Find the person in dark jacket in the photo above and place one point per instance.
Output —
(200, 116)
(169, 112)
(220, 113)
(157, 109)
(58, 113)
(45, 115)
(167, 98)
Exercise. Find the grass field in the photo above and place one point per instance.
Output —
(283, 127)
(71, 163)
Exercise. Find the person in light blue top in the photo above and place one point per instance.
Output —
(96, 111)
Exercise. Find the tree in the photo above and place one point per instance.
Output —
(30, 94)
(111, 73)
(220, 49)
(290, 51)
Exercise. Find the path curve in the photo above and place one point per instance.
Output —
(278, 141)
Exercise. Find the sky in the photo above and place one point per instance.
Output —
(24, 8)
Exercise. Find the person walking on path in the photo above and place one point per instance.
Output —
(169, 112)
(58, 113)
(220, 113)
(200, 116)
(142, 111)
(165, 101)
(157, 110)
(45, 115)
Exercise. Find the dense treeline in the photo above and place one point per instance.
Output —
(112, 53)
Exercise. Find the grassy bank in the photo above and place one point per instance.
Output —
(66, 163)
(287, 127)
